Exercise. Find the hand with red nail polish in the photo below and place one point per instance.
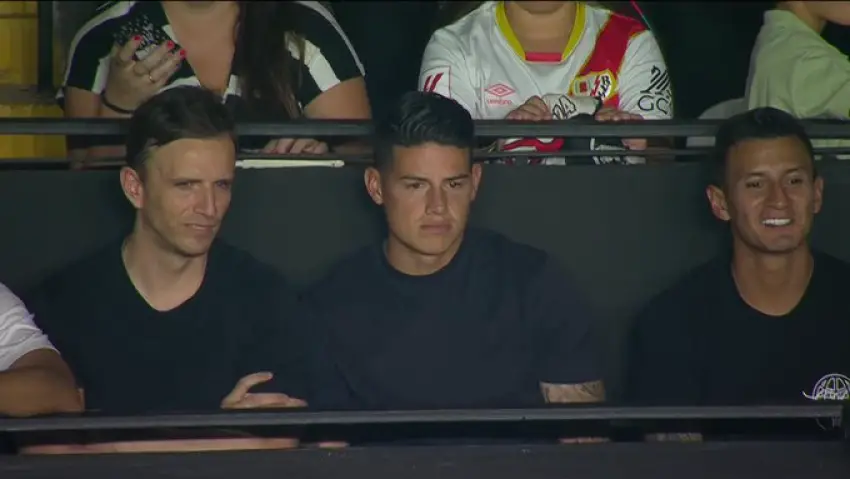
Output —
(133, 78)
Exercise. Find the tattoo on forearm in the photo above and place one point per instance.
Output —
(588, 392)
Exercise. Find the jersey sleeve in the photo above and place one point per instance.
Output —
(645, 87)
(329, 58)
(88, 56)
(567, 348)
(445, 70)
(18, 333)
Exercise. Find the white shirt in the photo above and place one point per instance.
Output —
(18, 333)
(479, 62)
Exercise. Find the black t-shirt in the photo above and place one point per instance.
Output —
(132, 359)
(699, 343)
(484, 331)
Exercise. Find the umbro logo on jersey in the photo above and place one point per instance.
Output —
(496, 94)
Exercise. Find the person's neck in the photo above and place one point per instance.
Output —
(772, 284)
(540, 27)
(405, 261)
(801, 11)
(157, 273)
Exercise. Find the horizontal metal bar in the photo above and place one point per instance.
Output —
(308, 418)
(578, 157)
(483, 128)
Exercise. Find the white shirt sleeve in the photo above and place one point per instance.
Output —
(644, 81)
(445, 71)
(18, 333)
(819, 86)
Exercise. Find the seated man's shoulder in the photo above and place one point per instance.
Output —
(688, 293)
(91, 271)
(496, 248)
(357, 268)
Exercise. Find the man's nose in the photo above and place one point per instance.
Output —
(436, 200)
(206, 202)
(777, 196)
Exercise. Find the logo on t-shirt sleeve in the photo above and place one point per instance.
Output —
(437, 80)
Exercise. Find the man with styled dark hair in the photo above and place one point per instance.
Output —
(439, 315)
(767, 322)
(169, 318)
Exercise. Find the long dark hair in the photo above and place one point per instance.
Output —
(267, 69)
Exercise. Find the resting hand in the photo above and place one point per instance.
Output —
(241, 398)
(293, 146)
(613, 114)
(534, 109)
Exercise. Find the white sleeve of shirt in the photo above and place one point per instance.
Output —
(18, 333)
(445, 71)
(644, 81)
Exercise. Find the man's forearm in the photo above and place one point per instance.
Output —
(27, 391)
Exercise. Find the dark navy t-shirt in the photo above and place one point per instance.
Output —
(484, 331)
(700, 343)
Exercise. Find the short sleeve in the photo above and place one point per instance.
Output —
(645, 87)
(329, 57)
(88, 55)
(818, 86)
(659, 353)
(445, 70)
(568, 352)
(18, 333)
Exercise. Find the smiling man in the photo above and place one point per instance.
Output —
(169, 318)
(769, 323)
(440, 315)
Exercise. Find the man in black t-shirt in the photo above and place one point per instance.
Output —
(168, 318)
(438, 315)
(769, 323)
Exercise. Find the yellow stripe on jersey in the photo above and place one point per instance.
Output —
(508, 32)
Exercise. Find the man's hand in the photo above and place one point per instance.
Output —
(612, 114)
(295, 146)
(241, 398)
(534, 109)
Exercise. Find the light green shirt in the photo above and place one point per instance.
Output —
(794, 69)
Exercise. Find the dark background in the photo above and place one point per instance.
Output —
(624, 232)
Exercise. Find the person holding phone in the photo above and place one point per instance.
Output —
(268, 61)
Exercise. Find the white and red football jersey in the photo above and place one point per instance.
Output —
(479, 62)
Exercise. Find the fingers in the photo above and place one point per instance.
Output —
(635, 143)
(163, 72)
(156, 57)
(243, 386)
(267, 400)
(534, 109)
(613, 114)
(295, 146)
(124, 54)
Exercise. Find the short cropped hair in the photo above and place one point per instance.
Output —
(177, 113)
(757, 124)
(418, 118)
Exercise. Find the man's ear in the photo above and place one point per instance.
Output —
(476, 178)
(818, 199)
(717, 200)
(132, 185)
(372, 178)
